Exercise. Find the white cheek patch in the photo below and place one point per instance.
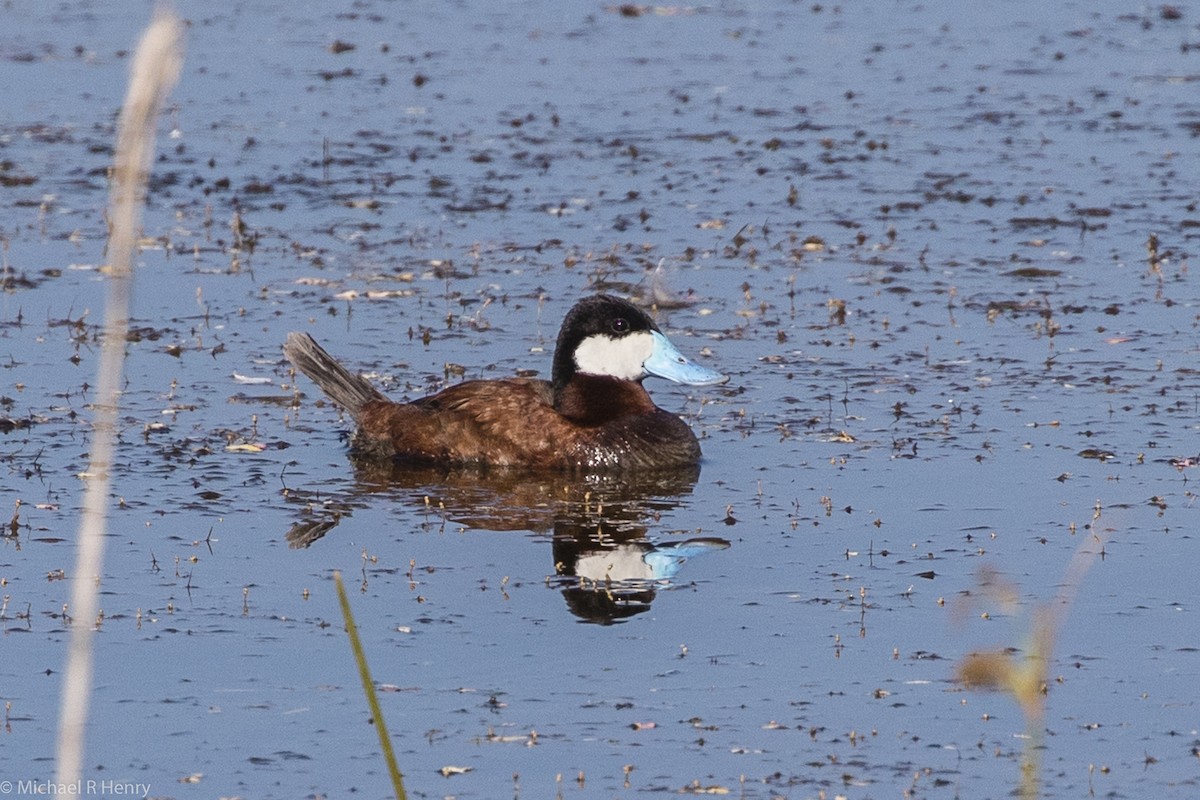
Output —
(616, 357)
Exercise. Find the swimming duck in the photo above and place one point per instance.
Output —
(593, 414)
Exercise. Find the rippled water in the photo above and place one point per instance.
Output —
(944, 254)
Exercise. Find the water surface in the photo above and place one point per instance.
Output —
(943, 254)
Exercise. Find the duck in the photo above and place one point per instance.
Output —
(593, 414)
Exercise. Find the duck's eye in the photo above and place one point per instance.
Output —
(620, 325)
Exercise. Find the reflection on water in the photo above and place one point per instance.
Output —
(606, 562)
(610, 572)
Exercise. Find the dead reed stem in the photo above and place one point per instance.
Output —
(1027, 677)
(155, 69)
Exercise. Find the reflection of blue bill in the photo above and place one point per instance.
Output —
(665, 560)
(642, 561)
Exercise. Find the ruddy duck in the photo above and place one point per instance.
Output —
(593, 414)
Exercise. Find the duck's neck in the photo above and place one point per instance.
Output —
(597, 399)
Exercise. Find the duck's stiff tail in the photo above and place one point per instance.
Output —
(348, 390)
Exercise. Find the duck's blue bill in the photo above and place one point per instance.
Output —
(666, 361)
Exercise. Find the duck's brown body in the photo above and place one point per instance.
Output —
(581, 421)
(514, 422)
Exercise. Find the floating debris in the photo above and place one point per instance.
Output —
(251, 381)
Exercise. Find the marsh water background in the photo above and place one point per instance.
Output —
(944, 254)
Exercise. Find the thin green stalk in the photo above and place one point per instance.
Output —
(364, 673)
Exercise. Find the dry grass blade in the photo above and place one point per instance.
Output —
(155, 70)
(1025, 676)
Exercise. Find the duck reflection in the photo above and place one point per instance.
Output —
(606, 563)
(609, 572)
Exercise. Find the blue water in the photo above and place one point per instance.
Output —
(915, 235)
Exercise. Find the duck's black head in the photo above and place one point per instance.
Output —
(605, 335)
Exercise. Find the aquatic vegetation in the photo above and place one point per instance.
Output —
(364, 674)
(1023, 671)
